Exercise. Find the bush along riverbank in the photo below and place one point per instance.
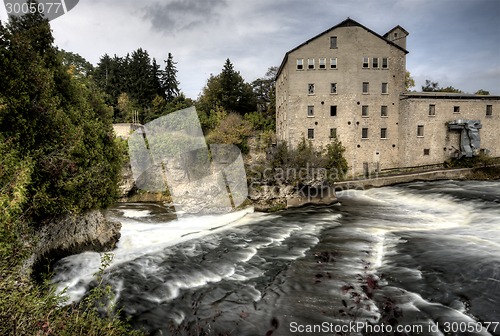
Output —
(59, 164)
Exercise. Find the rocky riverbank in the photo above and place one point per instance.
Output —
(72, 234)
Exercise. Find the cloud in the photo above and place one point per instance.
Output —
(180, 15)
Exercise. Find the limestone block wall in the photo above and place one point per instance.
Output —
(436, 143)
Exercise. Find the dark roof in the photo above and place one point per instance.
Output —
(346, 23)
(393, 29)
(446, 95)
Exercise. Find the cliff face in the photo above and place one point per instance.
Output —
(72, 234)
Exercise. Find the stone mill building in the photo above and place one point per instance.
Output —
(349, 83)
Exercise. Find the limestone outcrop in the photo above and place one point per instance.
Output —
(73, 234)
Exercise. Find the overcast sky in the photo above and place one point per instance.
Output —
(453, 42)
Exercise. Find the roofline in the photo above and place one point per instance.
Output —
(330, 29)
(446, 95)
(398, 26)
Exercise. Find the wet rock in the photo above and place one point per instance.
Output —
(72, 234)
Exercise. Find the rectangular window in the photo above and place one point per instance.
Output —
(420, 130)
(310, 111)
(456, 109)
(427, 151)
(383, 133)
(333, 42)
(364, 111)
(366, 62)
(300, 64)
(333, 133)
(322, 63)
(310, 88)
(364, 133)
(375, 62)
(333, 63)
(333, 87)
(383, 111)
(310, 63)
(489, 110)
(310, 133)
(366, 87)
(384, 88)
(333, 111)
(432, 110)
(385, 63)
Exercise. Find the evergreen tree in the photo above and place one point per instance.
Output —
(169, 81)
(228, 91)
(56, 121)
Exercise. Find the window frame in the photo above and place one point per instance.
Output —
(364, 133)
(310, 111)
(432, 110)
(384, 111)
(420, 131)
(385, 88)
(367, 85)
(310, 134)
(322, 65)
(383, 133)
(365, 111)
(309, 87)
(333, 88)
(333, 110)
(333, 42)
(300, 64)
(374, 62)
(333, 63)
(456, 109)
(385, 62)
(311, 64)
(334, 131)
(365, 62)
(489, 111)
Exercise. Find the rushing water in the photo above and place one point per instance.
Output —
(419, 255)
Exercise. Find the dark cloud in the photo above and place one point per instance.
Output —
(179, 15)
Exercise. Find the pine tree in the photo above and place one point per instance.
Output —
(169, 81)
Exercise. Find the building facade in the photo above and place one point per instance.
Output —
(349, 83)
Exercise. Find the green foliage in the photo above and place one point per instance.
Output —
(481, 160)
(409, 81)
(482, 92)
(261, 121)
(56, 121)
(434, 87)
(31, 309)
(229, 91)
(231, 129)
(169, 82)
(303, 164)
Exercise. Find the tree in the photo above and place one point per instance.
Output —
(263, 89)
(430, 86)
(409, 81)
(434, 87)
(169, 82)
(229, 91)
(482, 92)
(57, 122)
(78, 65)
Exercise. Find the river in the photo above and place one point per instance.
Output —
(418, 258)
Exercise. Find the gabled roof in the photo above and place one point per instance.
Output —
(393, 29)
(346, 23)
